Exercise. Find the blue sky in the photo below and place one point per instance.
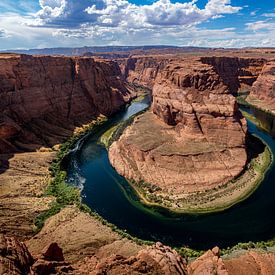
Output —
(76, 23)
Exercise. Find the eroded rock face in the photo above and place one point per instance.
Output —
(157, 259)
(192, 140)
(237, 73)
(43, 98)
(209, 263)
(263, 90)
(143, 70)
(14, 256)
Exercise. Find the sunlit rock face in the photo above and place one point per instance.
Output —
(263, 88)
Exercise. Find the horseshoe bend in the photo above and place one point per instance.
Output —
(192, 148)
(192, 151)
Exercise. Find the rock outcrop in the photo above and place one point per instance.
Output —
(142, 70)
(237, 73)
(263, 90)
(43, 98)
(14, 256)
(157, 259)
(192, 140)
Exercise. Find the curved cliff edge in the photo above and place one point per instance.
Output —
(189, 153)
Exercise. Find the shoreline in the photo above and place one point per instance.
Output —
(242, 101)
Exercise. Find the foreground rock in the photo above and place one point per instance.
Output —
(157, 259)
(80, 235)
(192, 140)
(14, 256)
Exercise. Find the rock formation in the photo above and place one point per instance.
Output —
(263, 90)
(192, 140)
(14, 256)
(157, 259)
(142, 70)
(43, 98)
(237, 73)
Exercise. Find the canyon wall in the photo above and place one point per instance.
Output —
(237, 73)
(143, 70)
(263, 90)
(43, 98)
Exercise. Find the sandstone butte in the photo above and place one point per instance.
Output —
(194, 137)
(43, 99)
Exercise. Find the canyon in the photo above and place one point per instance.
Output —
(194, 120)
(193, 139)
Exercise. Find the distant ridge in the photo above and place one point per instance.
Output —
(98, 49)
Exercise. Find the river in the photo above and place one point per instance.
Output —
(110, 195)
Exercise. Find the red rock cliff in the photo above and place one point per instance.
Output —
(237, 73)
(263, 90)
(43, 98)
(143, 70)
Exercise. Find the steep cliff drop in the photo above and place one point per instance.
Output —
(263, 90)
(43, 99)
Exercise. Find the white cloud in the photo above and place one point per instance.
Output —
(113, 13)
(260, 25)
(220, 7)
(253, 13)
(3, 33)
(272, 14)
(119, 22)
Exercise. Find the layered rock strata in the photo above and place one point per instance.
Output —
(43, 98)
(237, 73)
(263, 90)
(143, 70)
(193, 139)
